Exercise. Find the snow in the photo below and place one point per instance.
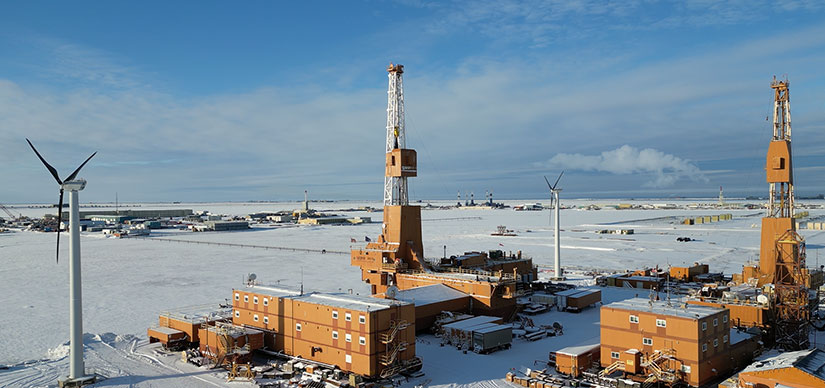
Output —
(578, 350)
(783, 360)
(128, 282)
(425, 295)
(737, 336)
(665, 308)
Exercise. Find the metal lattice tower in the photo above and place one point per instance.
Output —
(395, 188)
(781, 202)
(791, 307)
(789, 274)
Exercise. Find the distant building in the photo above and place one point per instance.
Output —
(160, 213)
(226, 225)
(110, 219)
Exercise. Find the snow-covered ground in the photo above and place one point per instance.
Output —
(128, 281)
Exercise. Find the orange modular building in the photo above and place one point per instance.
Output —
(187, 320)
(688, 274)
(363, 335)
(800, 369)
(574, 360)
(658, 341)
(742, 314)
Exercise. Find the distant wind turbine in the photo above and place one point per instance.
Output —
(554, 197)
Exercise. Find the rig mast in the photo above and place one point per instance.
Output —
(395, 187)
(782, 255)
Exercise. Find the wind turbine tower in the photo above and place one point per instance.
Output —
(77, 372)
(554, 197)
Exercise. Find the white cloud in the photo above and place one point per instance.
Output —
(667, 169)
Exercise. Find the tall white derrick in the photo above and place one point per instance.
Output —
(395, 188)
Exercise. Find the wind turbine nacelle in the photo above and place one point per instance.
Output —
(75, 185)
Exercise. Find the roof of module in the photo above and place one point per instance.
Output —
(665, 308)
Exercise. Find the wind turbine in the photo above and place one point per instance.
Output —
(77, 374)
(554, 197)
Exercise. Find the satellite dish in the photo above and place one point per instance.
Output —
(392, 291)
(251, 278)
(762, 299)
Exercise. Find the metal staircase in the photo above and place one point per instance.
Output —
(654, 365)
(392, 332)
(392, 353)
(618, 365)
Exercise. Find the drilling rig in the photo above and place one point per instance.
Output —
(395, 260)
(782, 251)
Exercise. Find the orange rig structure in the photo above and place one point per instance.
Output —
(395, 261)
(783, 308)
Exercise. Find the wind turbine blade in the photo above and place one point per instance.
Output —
(548, 183)
(74, 174)
(48, 166)
(59, 219)
(557, 180)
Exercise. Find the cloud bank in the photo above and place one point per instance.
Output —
(667, 169)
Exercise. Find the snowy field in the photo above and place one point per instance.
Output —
(128, 281)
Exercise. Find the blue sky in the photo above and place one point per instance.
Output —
(210, 101)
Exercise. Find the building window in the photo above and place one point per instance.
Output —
(362, 319)
(725, 338)
(362, 340)
(246, 298)
(334, 334)
(715, 321)
(255, 317)
(724, 319)
(634, 319)
(704, 326)
(348, 337)
(686, 369)
(266, 301)
(237, 314)
(647, 341)
(661, 323)
(334, 314)
(347, 317)
(255, 300)
(237, 296)
(614, 354)
(348, 359)
(266, 319)
(704, 347)
(715, 342)
(297, 327)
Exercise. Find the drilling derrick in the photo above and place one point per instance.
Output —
(782, 251)
(399, 246)
(395, 182)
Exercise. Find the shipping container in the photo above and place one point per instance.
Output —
(492, 338)
(547, 299)
(577, 299)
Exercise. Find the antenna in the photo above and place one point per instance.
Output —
(302, 280)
